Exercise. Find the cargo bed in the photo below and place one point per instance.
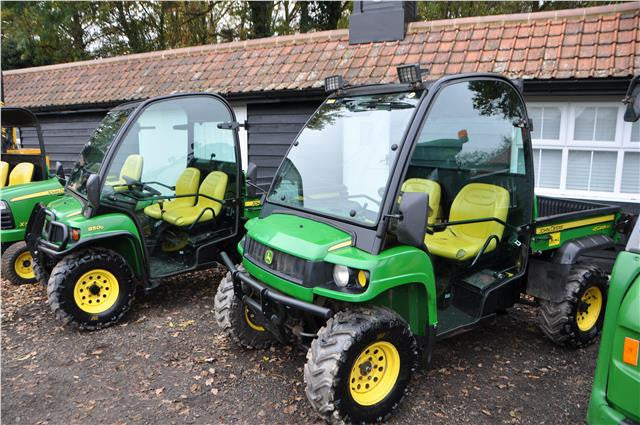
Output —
(559, 220)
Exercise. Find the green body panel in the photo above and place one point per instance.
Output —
(616, 385)
(399, 276)
(21, 200)
(553, 236)
(108, 230)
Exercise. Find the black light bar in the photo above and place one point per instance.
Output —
(409, 74)
(333, 83)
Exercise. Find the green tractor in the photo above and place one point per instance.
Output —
(401, 215)
(157, 191)
(615, 398)
(24, 182)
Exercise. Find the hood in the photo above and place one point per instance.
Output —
(29, 190)
(297, 236)
(65, 206)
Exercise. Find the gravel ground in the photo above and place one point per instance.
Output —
(168, 363)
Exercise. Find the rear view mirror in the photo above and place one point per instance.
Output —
(93, 190)
(412, 225)
(632, 100)
(60, 173)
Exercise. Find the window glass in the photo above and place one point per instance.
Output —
(635, 132)
(548, 166)
(546, 122)
(631, 173)
(591, 170)
(344, 156)
(165, 136)
(595, 123)
(473, 126)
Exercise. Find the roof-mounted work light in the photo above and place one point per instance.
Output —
(409, 74)
(333, 83)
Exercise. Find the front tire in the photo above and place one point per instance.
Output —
(359, 366)
(577, 320)
(91, 289)
(236, 320)
(17, 264)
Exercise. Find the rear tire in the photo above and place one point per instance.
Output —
(236, 321)
(91, 289)
(17, 264)
(577, 320)
(359, 366)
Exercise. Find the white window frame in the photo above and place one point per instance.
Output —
(620, 145)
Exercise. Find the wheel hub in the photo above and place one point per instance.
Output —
(23, 266)
(96, 291)
(589, 308)
(374, 373)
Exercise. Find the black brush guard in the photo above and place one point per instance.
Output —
(271, 307)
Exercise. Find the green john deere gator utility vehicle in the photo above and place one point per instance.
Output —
(24, 182)
(157, 191)
(403, 214)
(615, 397)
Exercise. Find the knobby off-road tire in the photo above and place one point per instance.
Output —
(335, 364)
(236, 321)
(41, 275)
(79, 271)
(559, 322)
(17, 264)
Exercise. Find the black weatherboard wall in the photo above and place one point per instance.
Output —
(272, 128)
(64, 134)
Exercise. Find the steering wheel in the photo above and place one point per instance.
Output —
(142, 185)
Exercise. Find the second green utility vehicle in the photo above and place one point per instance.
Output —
(158, 190)
(24, 182)
(615, 397)
(403, 214)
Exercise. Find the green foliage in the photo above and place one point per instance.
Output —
(45, 32)
(432, 10)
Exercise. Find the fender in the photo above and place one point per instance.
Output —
(546, 277)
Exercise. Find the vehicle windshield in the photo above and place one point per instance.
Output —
(340, 163)
(95, 150)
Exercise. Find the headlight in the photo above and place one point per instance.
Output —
(341, 275)
(3, 206)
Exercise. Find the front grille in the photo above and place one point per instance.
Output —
(285, 265)
(6, 220)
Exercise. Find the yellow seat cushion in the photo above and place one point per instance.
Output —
(464, 241)
(4, 173)
(430, 187)
(132, 168)
(215, 186)
(21, 173)
(186, 184)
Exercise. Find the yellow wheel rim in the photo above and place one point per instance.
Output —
(250, 317)
(374, 373)
(24, 266)
(96, 291)
(589, 308)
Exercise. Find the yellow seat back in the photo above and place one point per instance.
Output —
(4, 173)
(21, 173)
(215, 186)
(187, 184)
(430, 187)
(480, 200)
(132, 167)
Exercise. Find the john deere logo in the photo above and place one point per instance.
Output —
(268, 257)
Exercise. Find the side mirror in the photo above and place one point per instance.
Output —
(412, 225)
(252, 177)
(60, 173)
(93, 190)
(632, 100)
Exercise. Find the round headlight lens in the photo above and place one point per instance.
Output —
(341, 275)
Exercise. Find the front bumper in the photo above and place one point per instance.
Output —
(270, 306)
(600, 412)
